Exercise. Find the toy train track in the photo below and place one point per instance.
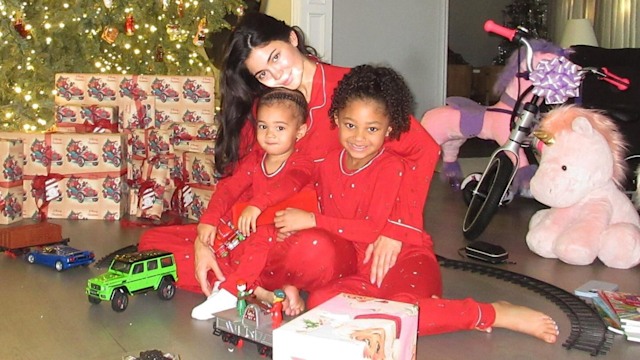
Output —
(588, 331)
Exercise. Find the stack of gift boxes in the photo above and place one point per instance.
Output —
(122, 144)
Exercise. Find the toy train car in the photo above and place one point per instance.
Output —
(254, 326)
(16, 239)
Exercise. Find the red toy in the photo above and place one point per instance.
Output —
(227, 238)
(276, 308)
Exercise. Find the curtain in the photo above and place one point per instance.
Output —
(616, 22)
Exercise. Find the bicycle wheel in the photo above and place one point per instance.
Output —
(486, 198)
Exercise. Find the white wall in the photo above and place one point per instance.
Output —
(408, 35)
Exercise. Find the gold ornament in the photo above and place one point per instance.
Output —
(109, 34)
(201, 34)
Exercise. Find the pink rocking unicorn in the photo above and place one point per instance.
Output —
(451, 125)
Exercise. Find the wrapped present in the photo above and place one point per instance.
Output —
(134, 88)
(195, 199)
(70, 88)
(134, 171)
(12, 157)
(350, 327)
(181, 131)
(102, 89)
(11, 199)
(183, 112)
(71, 153)
(195, 146)
(155, 181)
(199, 168)
(136, 114)
(158, 142)
(86, 118)
(86, 196)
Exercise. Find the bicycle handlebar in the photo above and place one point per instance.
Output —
(490, 26)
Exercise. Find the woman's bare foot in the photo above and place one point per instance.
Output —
(525, 320)
(293, 304)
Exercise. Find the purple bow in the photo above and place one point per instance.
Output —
(556, 80)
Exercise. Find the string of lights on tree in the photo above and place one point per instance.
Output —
(39, 38)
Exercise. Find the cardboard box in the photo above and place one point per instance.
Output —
(350, 327)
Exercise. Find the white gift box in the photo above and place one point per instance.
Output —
(350, 327)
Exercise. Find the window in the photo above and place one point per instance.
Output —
(166, 261)
(152, 264)
(138, 268)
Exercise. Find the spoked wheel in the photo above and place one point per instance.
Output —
(487, 195)
(468, 186)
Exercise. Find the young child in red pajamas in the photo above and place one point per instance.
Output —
(280, 119)
(358, 188)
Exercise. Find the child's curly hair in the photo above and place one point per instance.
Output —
(381, 84)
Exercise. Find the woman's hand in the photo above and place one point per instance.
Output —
(248, 219)
(384, 254)
(205, 261)
(291, 219)
(206, 234)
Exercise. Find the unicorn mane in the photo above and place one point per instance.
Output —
(512, 66)
(561, 118)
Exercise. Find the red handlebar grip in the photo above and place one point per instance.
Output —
(491, 27)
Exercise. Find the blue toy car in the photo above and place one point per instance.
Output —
(60, 256)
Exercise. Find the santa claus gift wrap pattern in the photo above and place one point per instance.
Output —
(350, 327)
(73, 175)
(11, 180)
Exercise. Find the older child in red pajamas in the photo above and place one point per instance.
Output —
(358, 189)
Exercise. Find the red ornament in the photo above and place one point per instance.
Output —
(180, 8)
(21, 28)
(129, 25)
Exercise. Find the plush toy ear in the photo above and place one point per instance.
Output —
(582, 126)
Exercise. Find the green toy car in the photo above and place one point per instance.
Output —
(133, 273)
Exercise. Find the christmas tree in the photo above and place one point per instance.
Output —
(529, 14)
(39, 38)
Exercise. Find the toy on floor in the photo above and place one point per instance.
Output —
(276, 308)
(451, 125)
(254, 325)
(134, 273)
(243, 295)
(16, 240)
(59, 256)
(579, 178)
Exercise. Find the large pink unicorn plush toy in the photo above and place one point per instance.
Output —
(451, 125)
(580, 175)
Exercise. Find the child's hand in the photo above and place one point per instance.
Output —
(248, 219)
(291, 219)
(206, 234)
(384, 253)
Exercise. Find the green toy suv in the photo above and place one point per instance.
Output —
(134, 273)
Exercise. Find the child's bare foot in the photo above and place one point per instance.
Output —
(525, 320)
(263, 295)
(293, 304)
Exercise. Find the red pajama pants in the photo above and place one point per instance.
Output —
(307, 262)
(414, 279)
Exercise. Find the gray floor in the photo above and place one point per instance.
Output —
(45, 314)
